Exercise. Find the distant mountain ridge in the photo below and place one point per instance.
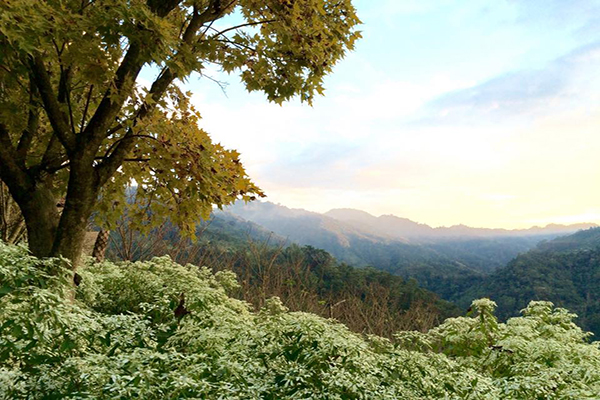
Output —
(300, 225)
(405, 229)
(446, 263)
(342, 224)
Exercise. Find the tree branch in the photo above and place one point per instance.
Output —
(27, 137)
(57, 118)
(219, 33)
(85, 110)
(162, 8)
(108, 152)
(158, 88)
(111, 103)
(68, 164)
(215, 10)
(32, 127)
(95, 132)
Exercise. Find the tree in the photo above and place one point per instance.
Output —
(75, 122)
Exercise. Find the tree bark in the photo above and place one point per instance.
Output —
(81, 196)
(41, 218)
(51, 233)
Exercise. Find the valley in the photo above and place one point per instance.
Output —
(556, 262)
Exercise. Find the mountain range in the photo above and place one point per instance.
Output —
(557, 262)
(405, 229)
(447, 261)
(342, 221)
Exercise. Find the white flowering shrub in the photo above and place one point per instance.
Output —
(159, 330)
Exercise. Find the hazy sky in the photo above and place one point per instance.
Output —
(485, 113)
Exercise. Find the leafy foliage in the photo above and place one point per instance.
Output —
(76, 122)
(159, 330)
(183, 175)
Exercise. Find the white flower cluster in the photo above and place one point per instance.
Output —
(159, 330)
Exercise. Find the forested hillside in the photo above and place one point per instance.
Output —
(565, 271)
(447, 261)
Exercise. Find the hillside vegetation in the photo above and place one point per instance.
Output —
(159, 330)
(367, 300)
(565, 270)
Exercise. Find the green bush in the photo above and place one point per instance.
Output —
(159, 330)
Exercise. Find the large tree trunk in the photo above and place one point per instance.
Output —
(82, 194)
(41, 218)
(52, 233)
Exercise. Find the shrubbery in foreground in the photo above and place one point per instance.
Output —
(159, 330)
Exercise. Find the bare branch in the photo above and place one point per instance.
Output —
(238, 45)
(70, 112)
(269, 21)
(222, 85)
(64, 87)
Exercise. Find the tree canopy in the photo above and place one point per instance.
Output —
(76, 123)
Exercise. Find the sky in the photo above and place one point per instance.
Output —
(480, 112)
